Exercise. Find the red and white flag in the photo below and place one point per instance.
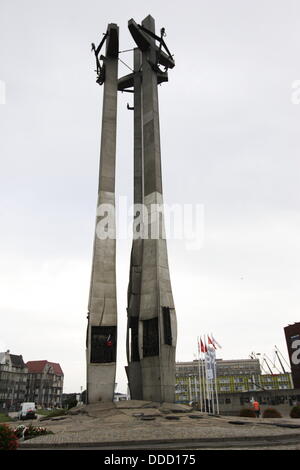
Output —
(215, 342)
(203, 346)
(211, 342)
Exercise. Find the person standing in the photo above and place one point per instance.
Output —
(256, 407)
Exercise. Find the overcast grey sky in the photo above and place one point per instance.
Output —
(230, 141)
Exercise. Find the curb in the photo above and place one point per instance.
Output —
(252, 441)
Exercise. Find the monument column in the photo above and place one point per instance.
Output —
(157, 317)
(101, 347)
(133, 369)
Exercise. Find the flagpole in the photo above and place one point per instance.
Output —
(216, 382)
(200, 385)
(217, 396)
(207, 382)
(212, 387)
(204, 377)
(213, 370)
(203, 373)
(203, 380)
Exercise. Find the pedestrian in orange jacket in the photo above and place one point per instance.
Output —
(256, 408)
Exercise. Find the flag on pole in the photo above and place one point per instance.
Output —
(203, 346)
(109, 341)
(210, 342)
(210, 359)
(215, 342)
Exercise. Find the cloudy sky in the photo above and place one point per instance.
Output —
(230, 141)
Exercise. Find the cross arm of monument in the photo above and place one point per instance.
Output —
(111, 37)
(112, 43)
(128, 80)
(144, 40)
(98, 49)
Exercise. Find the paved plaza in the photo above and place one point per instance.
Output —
(146, 425)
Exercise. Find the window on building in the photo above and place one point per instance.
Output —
(267, 379)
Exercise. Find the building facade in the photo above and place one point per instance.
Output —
(233, 376)
(282, 399)
(13, 381)
(45, 383)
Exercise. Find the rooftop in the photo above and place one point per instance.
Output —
(37, 367)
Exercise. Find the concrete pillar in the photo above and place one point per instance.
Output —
(102, 317)
(133, 369)
(157, 317)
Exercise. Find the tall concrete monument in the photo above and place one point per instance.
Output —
(151, 316)
(102, 310)
(133, 370)
(152, 327)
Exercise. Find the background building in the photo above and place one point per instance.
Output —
(233, 376)
(13, 381)
(45, 383)
(281, 399)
